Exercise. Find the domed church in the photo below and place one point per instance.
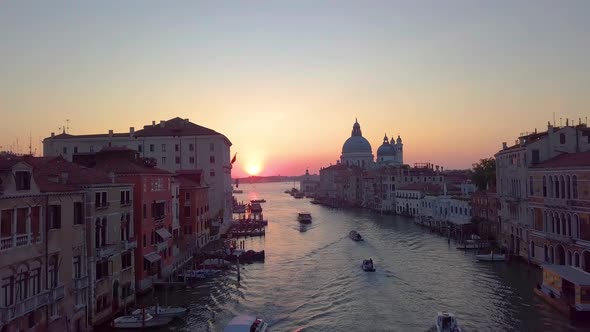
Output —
(357, 150)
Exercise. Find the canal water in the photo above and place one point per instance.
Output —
(312, 279)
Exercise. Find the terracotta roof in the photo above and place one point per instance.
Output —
(126, 166)
(579, 159)
(337, 167)
(68, 136)
(175, 127)
(6, 164)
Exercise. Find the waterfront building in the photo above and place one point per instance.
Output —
(309, 184)
(152, 209)
(410, 199)
(512, 168)
(194, 213)
(173, 145)
(485, 207)
(559, 196)
(43, 249)
(109, 280)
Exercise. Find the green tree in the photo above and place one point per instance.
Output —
(484, 173)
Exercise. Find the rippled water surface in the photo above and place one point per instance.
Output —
(312, 278)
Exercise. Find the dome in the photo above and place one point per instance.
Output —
(385, 149)
(356, 144)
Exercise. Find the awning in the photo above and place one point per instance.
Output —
(569, 273)
(164, 234)
(152, 257)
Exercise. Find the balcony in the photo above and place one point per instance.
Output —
(129, 244)
(161, 246)
(22, 308)
(56, 294)
(81, 283)
(101, 206)
(554, 237)
(18, 240)
(126, 203)
(106, 251)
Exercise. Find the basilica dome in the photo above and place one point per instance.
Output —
(385, 149)
(356, 144)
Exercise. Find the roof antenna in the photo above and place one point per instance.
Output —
(30, 144)
(68, 126)
(553, 118)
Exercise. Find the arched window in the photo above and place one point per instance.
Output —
(569, 225)
(568, 182)
(531, 185)
(544, 186)
(562, 138)
(546, 252)
(562, 182)
(576, 227)
(563, 224)
(577, 260)
(558, 224)
(103, 231)
(97, 232)
(551, 191)
(569, 258)
(574, 187)
(532, 250)
(556, 187)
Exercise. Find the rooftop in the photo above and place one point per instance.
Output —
(565, 160)
(569, 273)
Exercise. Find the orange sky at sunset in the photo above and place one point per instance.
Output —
(285, 83)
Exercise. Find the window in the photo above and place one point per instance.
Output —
(544, 186)
(568, 181)
(78, 215)
(212, 159)
(191, 160)
(125, 197)
(92, 148)
(35, 281)
(23, 180)
(139, 148)
(187, 196)
(531, 191)
(77, 262)
(177, 159)
(8, 291)
(102, 269)
(100, 199)
(125, 260)
(163, 147)
(65, 150)
(144, 211)
(52, 272)
(191, 147)
(54, 216)
(562, 138)
(158, 210)
(163, 160)
(186, 212)
(75, 149)
(211, 147)
(535, 156)
(574, 187)
(212, 172)
(144, 241)
(152, 148)
(176, 147)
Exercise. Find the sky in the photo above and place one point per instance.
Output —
(285, 80)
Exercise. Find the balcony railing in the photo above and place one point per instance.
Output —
(101, 206)
(56, 294)
(106, 251)
(129, 244)
(18, 240)
(126, 203)
(161, 246)
(22, 308)
(81, 283)
(555, 237)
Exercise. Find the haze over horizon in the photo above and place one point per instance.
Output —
(284, 81)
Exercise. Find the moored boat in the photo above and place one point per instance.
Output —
(258, 201)
(304, 217)
(368, 265)
(140, 321)
(491, 257)
(355, 236)
(162, 311)
(446, 322)
(299, 195)
(246, 323)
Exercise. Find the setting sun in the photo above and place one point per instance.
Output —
(253, 169)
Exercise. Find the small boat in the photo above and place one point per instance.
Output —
(140, 321)
(314, 201)
(355, 236)
(162, 311)
(446, 322)
(304, 217)
(238, 191)
(246, 323)
(368, 265)
(299, 195)
(258, 201)
(491, 257)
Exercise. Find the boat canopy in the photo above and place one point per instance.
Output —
(152, 257)
(569, 273)
(241, 323)
(164, 234)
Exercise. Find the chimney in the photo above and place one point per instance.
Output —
(52, 134)
(162, 123)
(186, 120)
(504, 145)
(64, 177)
(131, 131)
(110, 133)
(112, 176)
(567, 122)
(153, 123)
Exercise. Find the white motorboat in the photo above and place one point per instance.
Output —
(162, 311)
(355, 236)
(368, 265)
(246, 323)
(446, 322)
(491, 257)
(304, 217)
(140, 321)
